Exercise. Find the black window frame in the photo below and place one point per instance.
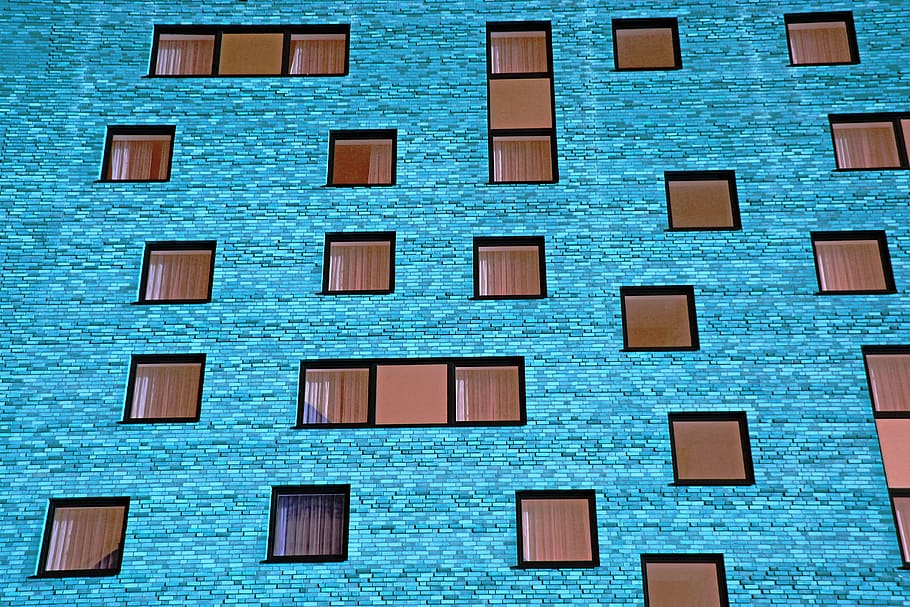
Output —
(161, 359)
(372, 364)
(891, 350)
(366, 134)
(136, 129)
(717, 559)
(174, 245)
(716, 175)
(567, 494)
(884, 255)
(218, 30)
(334, 237)
(81, 502)
(892, 494)
(845, 17)
(522, 26)
(510, 241)
(277, 491)
(671, 23)
(687, 290)
(893, 117)
(713, 416)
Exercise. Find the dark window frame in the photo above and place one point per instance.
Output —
(522, 26)
(333, 237)
(716, 559)
(277, 491)
(721, 175)
(372, 364)
(671, 23)
(884, 255)
(136, 129)
(81, 502)
(376, 134)
(893, 117)
(156, 359)
(845, 17)
(888, 350)
(174, 245)
(893, 493)
(511, 241)
(687, 290)
(218, 30)
(714, 416)
(587, 494)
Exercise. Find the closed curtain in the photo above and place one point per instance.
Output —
(508, 270)
(902, 515)
(178, 275)
(819, 43)
(309, 525)
(317, 54)
(865, 145)
(359, 266)
(849, 265)
(166, 390)
(555, 530)
(518, 52)
(185, 55)
(85, 538)
(335, 396)
(380, 162)
(139, 157)
(889, 375)
(522, 159)
(487, 394)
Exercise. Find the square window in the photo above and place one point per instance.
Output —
(138, 153)
(900, 505)
(852, 262)
(523, 159)
(870, 141)
(711, 449)
(646, 44)
(488, 394)
(362, 157)
(684, 580)
(251, 54)
(411, 394)
(359, 262)
(821, 38)
(335, 396)
(557, 529)
(184, 55)
(309, 523)
(659, 318)
(888, 372)
(84, 537)
(177, 272)
(509, 268)
(165, 388)
(702, 200)
(324, 54)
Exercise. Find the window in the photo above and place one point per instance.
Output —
(359, 262)
(362, 157)
(900, 506)
(852, 262)
(177, 272)
(164, 388)
(711, 449)
(138, 153)
(684, 580)
(821, 38)
(84, 537)
(412, 392)
(309, 523)
(659, 318)
(702, 200)
(211, 50)
(509, 268)
(646, 44)
(557, 529)
(871, 141)
(522, 123)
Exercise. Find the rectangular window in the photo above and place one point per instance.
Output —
(412, 392)
(852, 262)
(821, 38)
(359, 262)
(646, 44)
(267, 50)
(84, 537)
(684, 580)
(702, 200)
(358, 158)
(557, 529)
(522, 123)
(888, 372)
(164, 388)
(659, 318)
(900, 507)
(309, 523)
(509, 268)
(711, 449)
(138, 153)
(870, 141)
(177, 272)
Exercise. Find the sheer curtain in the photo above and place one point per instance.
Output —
(522, 159)
(359, 266)
(178, 275)
(518, 52)
(889, 375)
(184, 55)
(555, 530)
(139, 157)
(309, 525)
(335, 396)
(508, 270)
(165, 390)
(849, 265)
(317, 54)
(865, 145)
(819, 42)
(487, 394)
(380, 162)
(85, 538)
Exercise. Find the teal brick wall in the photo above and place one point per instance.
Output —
(433, 509)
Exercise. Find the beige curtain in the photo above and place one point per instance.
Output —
(178, 275)
(865, 145)
(309, 525)
(555, 530)
(819, 42)
(849, 265)
(184, 55)
(522, 159)
(139, 157)
(889, 376)
(362, 162)
(317, 54)
(508, 270)
(902, 516)
(487, 394)
(335, 396)
(165, 390)
(359, 266)
(518, 52)
(85, 538)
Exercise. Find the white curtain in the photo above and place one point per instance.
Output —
(555, 530)
(487, 394)
(309, 525)
(335, 396)
(522, 159)
(178, 275)
(518, 52)
(819, 42)
(317, 54)
(184, 55)
(165, 390)
(889, 375)
(85, 538)
(865, 145)
(359, 266)
(140, 157)
(508, 270)
(849, 265)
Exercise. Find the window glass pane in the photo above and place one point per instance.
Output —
(865, 145)
(169, 390)
(178, 275)
(520, 103)
(708, 450)
(508, 270)
(362, 162)
(657, 321)
(683, 585)
(309, 525)
(359, 266)
(487, 394)
(824, 42)
(139, 157)
(645, 48)
(318, 53)
(889, 376)
(556, 530)
(902, 520)
(522, 159)
(411, 394)
(180, 55)
(850, 265)
(251, 54)
(894, 439)
(700, 204)
(85, 538)
(336, 396)
(518, 52)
